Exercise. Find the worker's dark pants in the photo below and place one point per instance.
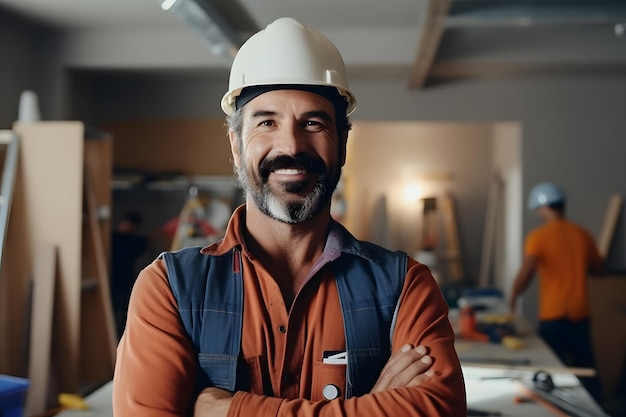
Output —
(571, 341)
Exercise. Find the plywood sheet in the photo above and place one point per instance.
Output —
(44, 280)
(47, 210)
(608, 321)
(613, 211)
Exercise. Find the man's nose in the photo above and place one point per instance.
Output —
(291, 139)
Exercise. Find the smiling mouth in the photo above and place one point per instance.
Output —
(296, 165)
(290, 171)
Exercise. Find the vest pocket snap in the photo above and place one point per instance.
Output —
(329, 381)
(330, 392)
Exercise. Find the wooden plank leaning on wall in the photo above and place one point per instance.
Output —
(608, 308)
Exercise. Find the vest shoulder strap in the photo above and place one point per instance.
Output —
(369, 292)
(209, 292)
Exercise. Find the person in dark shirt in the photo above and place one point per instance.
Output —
(127, 245)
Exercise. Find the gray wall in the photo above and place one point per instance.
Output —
(18, 68)
(30, 60)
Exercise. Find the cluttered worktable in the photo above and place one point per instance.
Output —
(509, 370)
(499, 380)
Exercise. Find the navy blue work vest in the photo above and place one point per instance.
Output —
(209, 292)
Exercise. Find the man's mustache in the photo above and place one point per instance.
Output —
(299, 161)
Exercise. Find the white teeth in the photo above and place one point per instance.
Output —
(289, 171)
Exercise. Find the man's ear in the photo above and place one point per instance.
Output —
(234, 147)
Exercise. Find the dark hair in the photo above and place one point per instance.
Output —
(558, 206)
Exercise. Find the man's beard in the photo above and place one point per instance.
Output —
(272, 205)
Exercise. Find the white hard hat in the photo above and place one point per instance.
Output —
(287, 52)
(544, 194)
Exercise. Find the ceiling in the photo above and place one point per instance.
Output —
(425, 41)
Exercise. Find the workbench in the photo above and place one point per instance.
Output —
(497, 378)
(491, 384)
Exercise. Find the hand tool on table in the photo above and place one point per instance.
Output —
(543, 390)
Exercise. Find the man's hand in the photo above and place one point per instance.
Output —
(407, 367)
(213, 402)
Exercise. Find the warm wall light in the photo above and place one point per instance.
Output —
(412, 193)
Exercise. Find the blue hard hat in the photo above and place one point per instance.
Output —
(544, 194)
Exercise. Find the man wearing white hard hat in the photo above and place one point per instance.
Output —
(289, 314)
(563, 254)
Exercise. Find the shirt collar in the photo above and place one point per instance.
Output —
(339, 240)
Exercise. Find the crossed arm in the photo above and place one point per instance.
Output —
(407, 367)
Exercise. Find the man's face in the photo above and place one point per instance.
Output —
(544, 213)
(288, 157)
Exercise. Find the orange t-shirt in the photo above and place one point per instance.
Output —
(156, 363)
(565, 252)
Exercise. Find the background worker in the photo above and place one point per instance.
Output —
(563, 254)
(289, 314)
(127, 246)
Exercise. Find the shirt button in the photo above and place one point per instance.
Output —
(330, 392)
(282, 328)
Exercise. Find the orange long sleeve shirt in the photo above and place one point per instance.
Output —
(156, 364)
(565, 253)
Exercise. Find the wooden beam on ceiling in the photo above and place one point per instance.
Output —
(433, 15)
(459, 70)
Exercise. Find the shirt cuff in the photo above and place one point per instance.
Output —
(245, 404)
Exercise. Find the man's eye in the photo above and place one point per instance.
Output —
(266, 123)
(313, 123)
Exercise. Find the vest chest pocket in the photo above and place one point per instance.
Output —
(329, 379)
(216, 370)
